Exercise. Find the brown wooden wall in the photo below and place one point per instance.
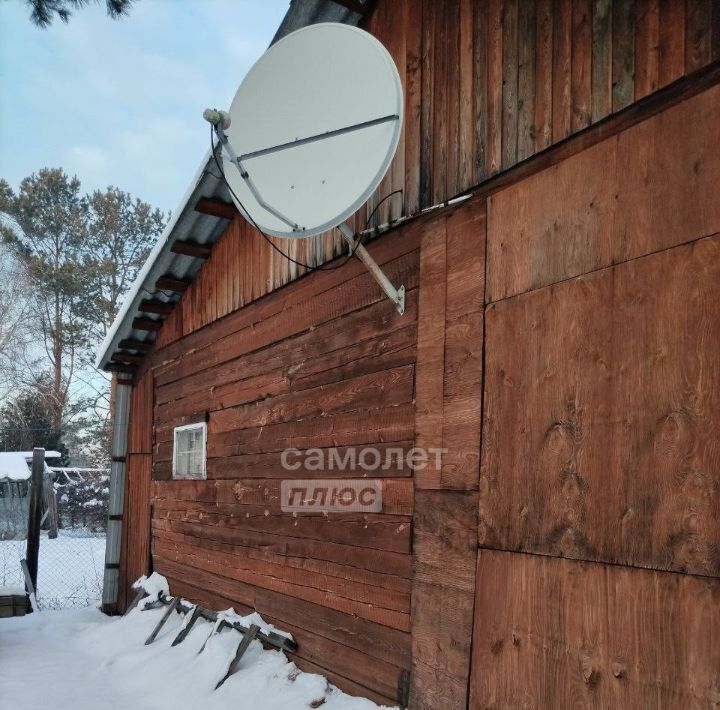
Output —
(488, 84)
(560, 343)
(135, 545)
(448, 408)
(601, 426)
(325, 362)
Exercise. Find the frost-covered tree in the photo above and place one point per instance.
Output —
(13, 311)
(52, 217)
(26, 419)
(79, 254)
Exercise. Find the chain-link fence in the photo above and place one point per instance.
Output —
(72, 538)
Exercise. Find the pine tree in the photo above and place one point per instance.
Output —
(52, 217)
(43, 12)
(120, 233)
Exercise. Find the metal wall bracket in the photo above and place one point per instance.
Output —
(396, 295)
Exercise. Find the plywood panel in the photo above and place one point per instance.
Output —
(602, 415)
(555, 633)
(649, 188)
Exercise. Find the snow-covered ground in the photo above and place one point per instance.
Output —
(70, 568)
(79, 659)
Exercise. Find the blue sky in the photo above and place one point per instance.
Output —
(120, 102)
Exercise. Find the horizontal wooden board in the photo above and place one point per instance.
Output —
(262, 557)
(330, 598)
(383, 532)
(376, 640)
(270, 465)
(553, 633)
(385, 388)
(312, 581)
(651, 187)
(602, 415)
(353, 671)
(302, 316)
(397, 494)
(271, 543)
(369, 426)
(366, 334)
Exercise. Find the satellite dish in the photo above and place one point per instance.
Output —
(311, 133)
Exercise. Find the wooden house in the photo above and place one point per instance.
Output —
(561, 342)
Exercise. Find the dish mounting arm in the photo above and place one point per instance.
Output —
(396, 295)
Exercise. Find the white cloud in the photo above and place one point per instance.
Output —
(121, 102)
(88, 157)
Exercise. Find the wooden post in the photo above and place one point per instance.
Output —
(51, 506)
(243, 646)
(35, 514)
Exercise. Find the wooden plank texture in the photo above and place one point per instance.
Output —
(374, 678)
(448, 386)
(442, 598)
(601, 428)
(553, 633)
(483, 91)
(649, 188)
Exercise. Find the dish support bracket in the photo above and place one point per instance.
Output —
(396, 295)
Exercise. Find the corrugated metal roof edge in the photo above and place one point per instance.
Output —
(161, 259)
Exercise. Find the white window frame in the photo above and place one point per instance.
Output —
(202, 475)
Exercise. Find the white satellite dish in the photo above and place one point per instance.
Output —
(311, 133)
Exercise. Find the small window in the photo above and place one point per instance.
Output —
(189, 451)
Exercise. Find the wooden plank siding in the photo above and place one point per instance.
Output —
(135, 543)
(325, 362)
(522, 75)
(553, 633)
(487, 85)
(600, 467)
(448, 410)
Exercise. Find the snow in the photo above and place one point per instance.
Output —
(12, 591)
(89, 661)
(49, 454)
(70, 569)
(154, 586)
(13, 465)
